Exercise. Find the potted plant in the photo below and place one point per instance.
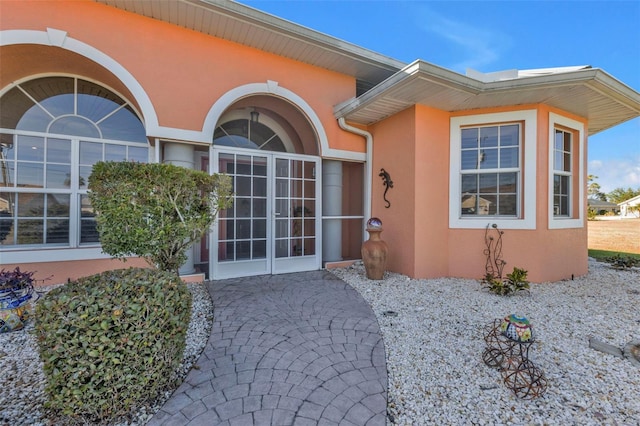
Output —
(16, 291)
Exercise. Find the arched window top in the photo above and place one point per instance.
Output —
(70, 106)
(247, 133)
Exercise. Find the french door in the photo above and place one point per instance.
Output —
(274, 223)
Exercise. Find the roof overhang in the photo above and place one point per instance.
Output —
(586, 92)
(241, 24)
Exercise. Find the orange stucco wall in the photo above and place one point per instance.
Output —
(413, 146)
(49, 273)
(184, 72)
(394, 151)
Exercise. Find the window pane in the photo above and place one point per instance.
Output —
(30, 148)
(115, 152)
(509, 135)
(74, 125)
(508, 205)
(89, 231)
(243, 229)
(296, 188)
(469, 183)
(259, 207)
(508, 182)
(469, 160)
(124, 125)
(282, 228)
(489, 183)
(58, 151)
(309, 189)
(7, 173)
(309, 170)
(559, 140)
(90, 153)
(509, 157)
(259, 166)
(243, 250)
(30, 205)
(469, 138)
(226, 251)
(282, 168)
(243, 186)
(57, 205)
(243, 207)
(58, 176)
(57, 231)
(489, 159)
(259, 187)
(30, 231)
(85, 171)
(469, 204)
(243, 165)
(282, 248)
(259, 228)
(309, 246)
(282, 208)
(567, 162)
(567, 141)
(30, 175)
(488, 137)
(259, 249)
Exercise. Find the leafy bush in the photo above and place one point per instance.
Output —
(155, 211)
(111, 342)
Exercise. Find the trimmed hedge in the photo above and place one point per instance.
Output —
(111, 342)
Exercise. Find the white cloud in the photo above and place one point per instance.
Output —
(481, 46)
(616, 173)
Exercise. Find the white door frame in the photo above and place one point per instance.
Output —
(271, 264)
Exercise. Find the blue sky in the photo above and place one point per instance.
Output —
(498, 35)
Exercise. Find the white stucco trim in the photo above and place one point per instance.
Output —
(577, 221)
(60, 38)
(528, 194)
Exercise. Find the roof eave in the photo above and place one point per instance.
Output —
(530, 90)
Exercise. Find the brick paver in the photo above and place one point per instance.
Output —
(300, 348)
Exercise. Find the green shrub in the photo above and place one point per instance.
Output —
(111, 342)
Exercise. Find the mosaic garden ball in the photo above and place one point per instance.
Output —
(517, 328)
(374, 223)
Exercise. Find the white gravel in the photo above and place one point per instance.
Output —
(434, 351)
(22, 380)
(434, 348)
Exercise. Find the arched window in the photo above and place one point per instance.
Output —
(52, 131)
(250, 129)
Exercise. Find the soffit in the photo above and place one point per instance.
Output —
(241, 24)
(589, 93)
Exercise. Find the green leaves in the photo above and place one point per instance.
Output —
(155, 211)
(110, 343)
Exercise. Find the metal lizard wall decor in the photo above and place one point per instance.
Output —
(388, 183)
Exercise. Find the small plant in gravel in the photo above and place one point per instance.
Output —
(623, 262)
(493, 280)
(110, 343)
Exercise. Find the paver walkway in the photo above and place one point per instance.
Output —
(294, 349)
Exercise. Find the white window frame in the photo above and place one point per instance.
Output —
(576, 211)
(527, 189)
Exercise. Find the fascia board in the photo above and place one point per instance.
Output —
(273, 23)
(414, 73)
